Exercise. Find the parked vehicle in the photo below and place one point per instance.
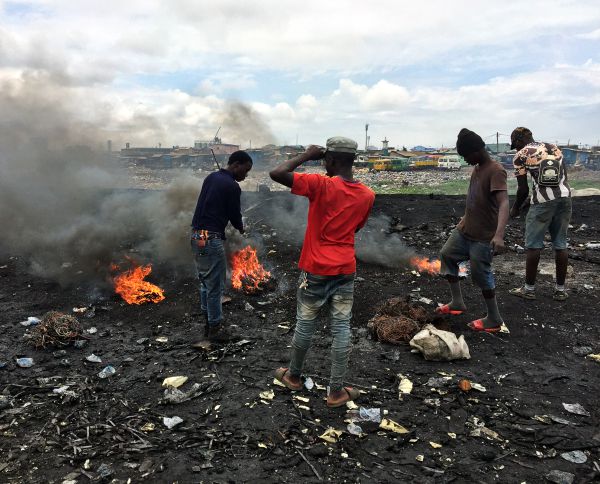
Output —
(419, 162)
(450, 162)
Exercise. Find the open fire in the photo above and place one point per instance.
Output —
(247, 273)
(422, 264)
(132, 287)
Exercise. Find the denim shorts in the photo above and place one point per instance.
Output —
(552, 216)
(458, 249)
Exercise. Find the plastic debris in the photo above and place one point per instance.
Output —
(582, 350)
(148, 427)
(452, 435)
(24, 362)
(420, 458)
(405, 386)
(575, 456)
(388, 424)
(80, 343)
(484, 431)
(174, 381)
(435, 445)
(175, 396)
(560, 477)
(504, 329)
(93, 358)
(350, 405)
(248, 307)
(80, 310)
(104, 471)
(162, 339)
(106, 372)
(331, 435)
(354, 429)
(261, 445)
(438, 345)
(592, 245)
(370, 414)
(171, 422)
(30, 321)
(478, 387)
(278, 383)
(576, 408)
(267, 395)
(301, 399)
(309, 383)
(92, 330)
(595, 357)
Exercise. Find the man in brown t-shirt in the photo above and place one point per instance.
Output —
(479, 233)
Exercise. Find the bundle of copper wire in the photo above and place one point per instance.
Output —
(56, 329)
(393, 329)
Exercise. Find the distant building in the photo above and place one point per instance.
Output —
(497, 147)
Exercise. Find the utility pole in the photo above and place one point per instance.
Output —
(497, 147)
(366, 136)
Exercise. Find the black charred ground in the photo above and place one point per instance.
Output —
(112, 429)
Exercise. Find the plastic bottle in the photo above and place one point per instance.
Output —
(106, 372)
(25, 362)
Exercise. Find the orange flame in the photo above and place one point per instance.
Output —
(130, 285)
(247, 273)
(426, 265)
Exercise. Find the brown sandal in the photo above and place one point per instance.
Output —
(280, 376)
(351, 394)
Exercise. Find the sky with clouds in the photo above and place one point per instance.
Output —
(417, 72)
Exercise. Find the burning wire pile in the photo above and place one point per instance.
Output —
(56, 329)
(397, 321)
(132, 287)
(247, 273)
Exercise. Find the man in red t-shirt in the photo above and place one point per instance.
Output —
(339, 206)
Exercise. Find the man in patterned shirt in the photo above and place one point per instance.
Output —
(550, 209)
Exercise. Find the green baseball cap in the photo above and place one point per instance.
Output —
(340, 144)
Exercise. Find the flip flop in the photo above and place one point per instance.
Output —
(280, 377)
(445, 309)
(477, 325)
(351, 394)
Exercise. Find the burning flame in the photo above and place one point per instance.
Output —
(426, 265)
(247, 273)
(130, 285)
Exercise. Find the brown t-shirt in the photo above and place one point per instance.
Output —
(481, 213)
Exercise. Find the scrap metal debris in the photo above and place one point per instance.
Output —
(56, 329)
(398, 320)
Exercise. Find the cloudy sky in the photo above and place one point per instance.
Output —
(174, 71)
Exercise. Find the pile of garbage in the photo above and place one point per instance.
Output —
(398, 320)
(56, 329)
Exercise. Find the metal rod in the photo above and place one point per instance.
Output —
(215, 158)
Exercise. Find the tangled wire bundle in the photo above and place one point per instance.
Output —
(56, 329)
(393, 329)
(397, 321)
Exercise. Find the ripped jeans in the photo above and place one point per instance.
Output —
(314, 292)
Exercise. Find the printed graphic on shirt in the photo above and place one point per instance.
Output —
(544, 161)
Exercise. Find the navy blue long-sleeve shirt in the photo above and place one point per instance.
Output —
(218, 203)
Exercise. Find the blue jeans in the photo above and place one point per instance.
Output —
(211, 266)
(458, 249)
(314, 292)
(553, 216)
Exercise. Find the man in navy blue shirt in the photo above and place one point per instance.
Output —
(218, 204)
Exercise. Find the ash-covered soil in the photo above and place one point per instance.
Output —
(112, 429)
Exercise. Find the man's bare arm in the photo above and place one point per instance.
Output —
(501, 198)
(284, 172)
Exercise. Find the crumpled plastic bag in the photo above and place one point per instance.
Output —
(438, 345)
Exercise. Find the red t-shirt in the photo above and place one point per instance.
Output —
(336, 210)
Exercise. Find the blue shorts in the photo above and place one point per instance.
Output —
(552, 216)
(458, 249)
